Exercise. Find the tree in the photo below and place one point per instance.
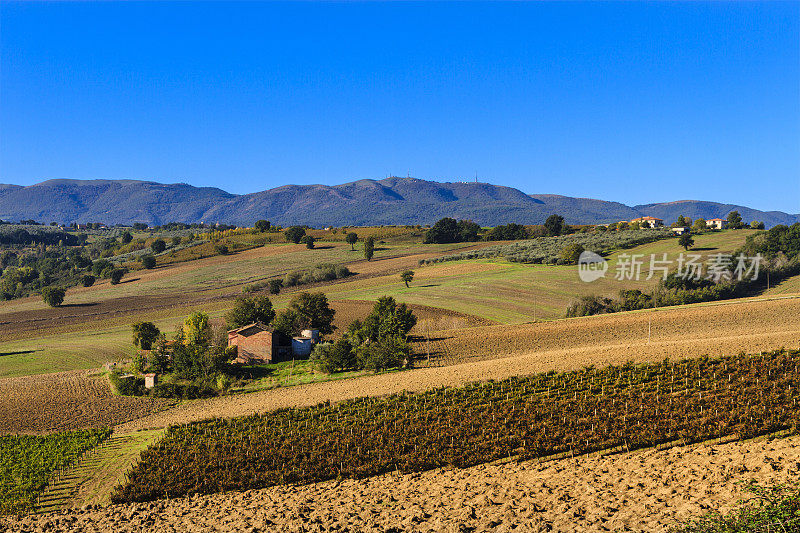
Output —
(88, 280)
(289, 322)
(196, 361)
(407, 276)
(221, 249)
(352, 239)
(335, 357)
(686, 240)
(53, 296)
(308, 240)
(387, 319)
(735, 220)
(468, 231)
(369, 248)
(126, 237)
(571, 253)
(314, 311)
(116, 276)
(699, 225)
(509, 232)
(148, 261)
(389, 352)
(249, 310)
(145, 334)
(262, 225)
(158, 246)
(554, 225)
(139, 226)
(682, 222)
(196, 330)
(757, 225)
(101, 265)
(294, 234)
(275, 286)
(445, 230)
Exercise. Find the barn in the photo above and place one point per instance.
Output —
(259, 343)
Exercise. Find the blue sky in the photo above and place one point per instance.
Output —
(633, 102)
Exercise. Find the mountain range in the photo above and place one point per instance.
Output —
(358, 203)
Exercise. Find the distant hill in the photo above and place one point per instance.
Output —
(363, 202)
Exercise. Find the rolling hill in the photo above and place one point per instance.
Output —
(362, 202)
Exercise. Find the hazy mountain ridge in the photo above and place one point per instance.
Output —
(362, 202)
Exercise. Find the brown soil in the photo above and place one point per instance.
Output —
(67, 400)
(642, 491)
(722, 328)
(563, 345)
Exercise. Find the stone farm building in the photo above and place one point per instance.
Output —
(259, 343)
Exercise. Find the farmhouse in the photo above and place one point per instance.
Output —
(717, 223)
(648, 221)
(259, 343)
(680, 230)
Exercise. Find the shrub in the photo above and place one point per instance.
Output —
(221, 249)
(308, 240)
(139, 363)
(100, 266)
(148, 261)
(128, 386)
(571, 253)
(158, 246)
(53, 296)
(389, 352)
(275, 286)
(335, 357)
(294, 234)
(88, 280)
(116, 276)
(775, 508)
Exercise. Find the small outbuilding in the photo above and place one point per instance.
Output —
(150, 381)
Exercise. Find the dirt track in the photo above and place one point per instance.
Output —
(641, 491)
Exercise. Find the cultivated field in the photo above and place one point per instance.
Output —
(514, 292)
(645, 491)
(608, 339)
(69, 400)
(93, 326)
